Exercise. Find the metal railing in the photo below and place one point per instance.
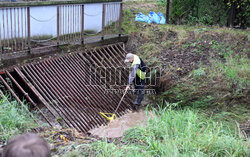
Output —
(15, 26)
(15, 32)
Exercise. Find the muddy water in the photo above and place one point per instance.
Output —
(117, 127)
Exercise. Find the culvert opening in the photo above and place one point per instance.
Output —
(74, 88)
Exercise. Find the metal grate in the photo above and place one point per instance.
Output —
(73, 90)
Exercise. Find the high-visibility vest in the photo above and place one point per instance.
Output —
(141, 70)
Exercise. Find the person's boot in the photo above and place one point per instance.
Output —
(136, 105)
(134, 108)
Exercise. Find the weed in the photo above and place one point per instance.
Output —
(14, 119)
(172, 133)
(41, 37)
(236, 69)
(148, 50)
(199, 72)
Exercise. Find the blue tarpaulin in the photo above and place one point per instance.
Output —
(152, 17)
(142, 18)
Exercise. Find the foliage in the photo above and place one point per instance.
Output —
(172, 133)
(242, 9)
(236, 69)
(198, 12)
(128, 21)
(14, 119)
(203, 12)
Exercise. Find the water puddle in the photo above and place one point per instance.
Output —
(117, 127)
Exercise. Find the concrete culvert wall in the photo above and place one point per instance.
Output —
(74, 87)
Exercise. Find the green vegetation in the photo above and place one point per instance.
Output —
(13, 119)
(41, 37)
(209, 74)
(193, 12)
(203, 91)
(172, 133)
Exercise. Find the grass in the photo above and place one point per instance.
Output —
(236, 69)
(13, 119)
(41, 37)
(172, 133)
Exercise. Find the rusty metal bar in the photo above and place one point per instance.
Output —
(3, 30)
(1, 47)
(67, 23)
(11, 31)
(22, 38)
(112, 65)
(66, 108)
(33, 89)
(89, 88)
(73, 84)
(18, 29)
(58, 24)
(104, 56)
(97, 64)
(66, 83)
(70, 23)
(44, 90)
(80, 14)
(17, 98)
(85, 70)
(121, 59)
(63, 25)
(120, 53)
(82, 25)
(7, 21)
(45, 94)
(55, 92)
(68, 35)
(115, 56)
(107, 65)
(15, 29)
(28, 97)
(73, 22)
(103, 20)
(112, 103)
(28, 23)
(120, 20)
(25, 28)
(63, 85)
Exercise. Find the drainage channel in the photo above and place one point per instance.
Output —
(74, 88)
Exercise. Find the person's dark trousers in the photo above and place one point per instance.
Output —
(139, 87)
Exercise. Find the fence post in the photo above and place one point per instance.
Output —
(28, 23)
(103, 20)
(82, 28)
(120, 20)
(1, 48)
(167, 11)
(58, 24)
